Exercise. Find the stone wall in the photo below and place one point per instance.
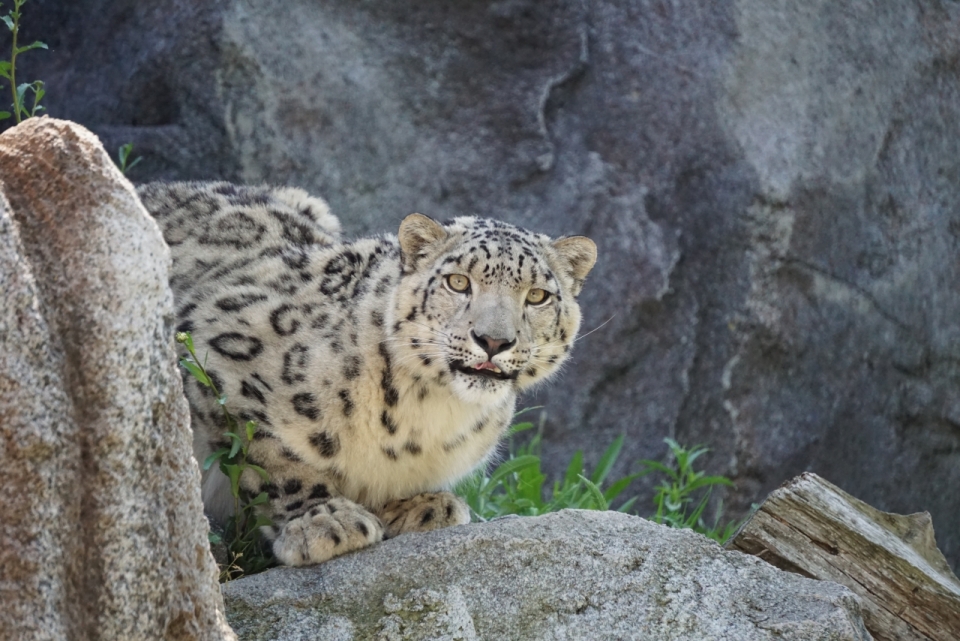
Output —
(774, 188)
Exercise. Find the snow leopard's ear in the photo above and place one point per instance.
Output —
(417, 233)
(578, 254)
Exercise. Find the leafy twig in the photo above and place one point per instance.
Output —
(242, 531)
(8, 69)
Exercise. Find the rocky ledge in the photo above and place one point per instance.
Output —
(570, 575)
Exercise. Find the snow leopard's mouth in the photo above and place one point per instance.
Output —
(484, 370)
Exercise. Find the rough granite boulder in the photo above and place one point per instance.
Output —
(570, 575)
(774, 188)
(102, 534)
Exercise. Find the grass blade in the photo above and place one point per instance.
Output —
(594, 493)
(607, 461)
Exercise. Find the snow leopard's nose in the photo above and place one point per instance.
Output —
(492, 346)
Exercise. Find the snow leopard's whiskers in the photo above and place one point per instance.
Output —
(414, 342)
(431, 329)
(556, 343)
(418, 355)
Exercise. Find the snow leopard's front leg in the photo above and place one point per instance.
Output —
(424, 512)
(328, 529)
(311, 522)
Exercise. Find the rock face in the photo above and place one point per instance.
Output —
(569, 575)
(103, 532)
(774, 188)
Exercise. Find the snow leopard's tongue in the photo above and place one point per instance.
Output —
(487, 365)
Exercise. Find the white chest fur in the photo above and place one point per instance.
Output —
(438, 440)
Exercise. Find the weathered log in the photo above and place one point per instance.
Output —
(811, 527)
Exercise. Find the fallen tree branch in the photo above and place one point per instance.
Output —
(811, 527)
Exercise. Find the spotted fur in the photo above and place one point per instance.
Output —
(374, 383)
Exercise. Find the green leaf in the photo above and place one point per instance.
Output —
(530, 484)
(528, 409)
(519, 427)
(656, 466)
(607, 460)
(8, 20)
(207, 462)
(574, 469)
(259, 470)
(196, 371)
(627, 504)
(708, 480)
(619, 486)
(595, 494)
(214, 538)
(4, 115)
(233, 473)
(33, 45)
(513, 465)
(235, 447)
(672, 444)
(262, 521)
(694, 454)
(695, 517)
(260, 499)
(251, 428)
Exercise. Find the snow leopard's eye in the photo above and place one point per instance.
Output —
(458, 282)
(537, 296)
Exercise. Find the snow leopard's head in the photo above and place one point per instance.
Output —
(486, 307)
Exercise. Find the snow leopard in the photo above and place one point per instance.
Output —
(379, 371)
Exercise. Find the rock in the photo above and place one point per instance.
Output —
(774, 188)
(570, 575)
(103, 531)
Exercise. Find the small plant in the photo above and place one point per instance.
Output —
(8, 70)
(123, 158)
(241, 535)
(675, 495)
(516, 486)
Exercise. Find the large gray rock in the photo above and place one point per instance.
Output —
(102, 534)
(774, 187)
(570, 575)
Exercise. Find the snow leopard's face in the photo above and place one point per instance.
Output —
(486, 307)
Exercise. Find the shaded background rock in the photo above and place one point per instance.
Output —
(774, 187)
(569, 575)
(103, 534)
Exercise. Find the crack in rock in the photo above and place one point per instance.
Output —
(546, 160)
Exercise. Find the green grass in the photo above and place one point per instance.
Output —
(518, 486)
(123, 158)
(684, 493)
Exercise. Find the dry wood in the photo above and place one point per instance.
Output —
(814, 528)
